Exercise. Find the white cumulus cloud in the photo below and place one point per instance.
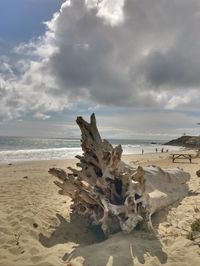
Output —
(139, 53)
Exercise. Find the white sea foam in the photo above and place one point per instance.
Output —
(38, 154)
(9, 156)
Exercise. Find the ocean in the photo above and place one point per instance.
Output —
(15, 149)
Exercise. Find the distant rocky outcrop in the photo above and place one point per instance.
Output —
(186, 141)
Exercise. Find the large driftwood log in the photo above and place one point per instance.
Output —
(112, 194)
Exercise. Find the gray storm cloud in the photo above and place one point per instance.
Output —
(120, 53)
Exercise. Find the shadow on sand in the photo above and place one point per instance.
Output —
(118, 250)
(74, 230)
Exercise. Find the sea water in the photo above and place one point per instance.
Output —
(15, 149)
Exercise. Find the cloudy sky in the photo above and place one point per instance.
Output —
(135, 63)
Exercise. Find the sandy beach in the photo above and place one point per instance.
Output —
(35, 226)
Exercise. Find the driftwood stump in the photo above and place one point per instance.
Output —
(112, 194)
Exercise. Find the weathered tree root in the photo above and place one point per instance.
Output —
(112, 194)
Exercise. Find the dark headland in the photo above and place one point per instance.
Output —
(186, 141)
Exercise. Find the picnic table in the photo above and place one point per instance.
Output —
(181, 156)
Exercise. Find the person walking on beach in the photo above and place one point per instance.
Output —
(142, 151)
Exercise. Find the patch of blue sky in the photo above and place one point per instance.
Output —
(22, 20)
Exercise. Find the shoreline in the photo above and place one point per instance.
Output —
(35, 227)
(125, 157)
(26, 153)
(71, 157)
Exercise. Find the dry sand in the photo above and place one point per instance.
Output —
(35, 227)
